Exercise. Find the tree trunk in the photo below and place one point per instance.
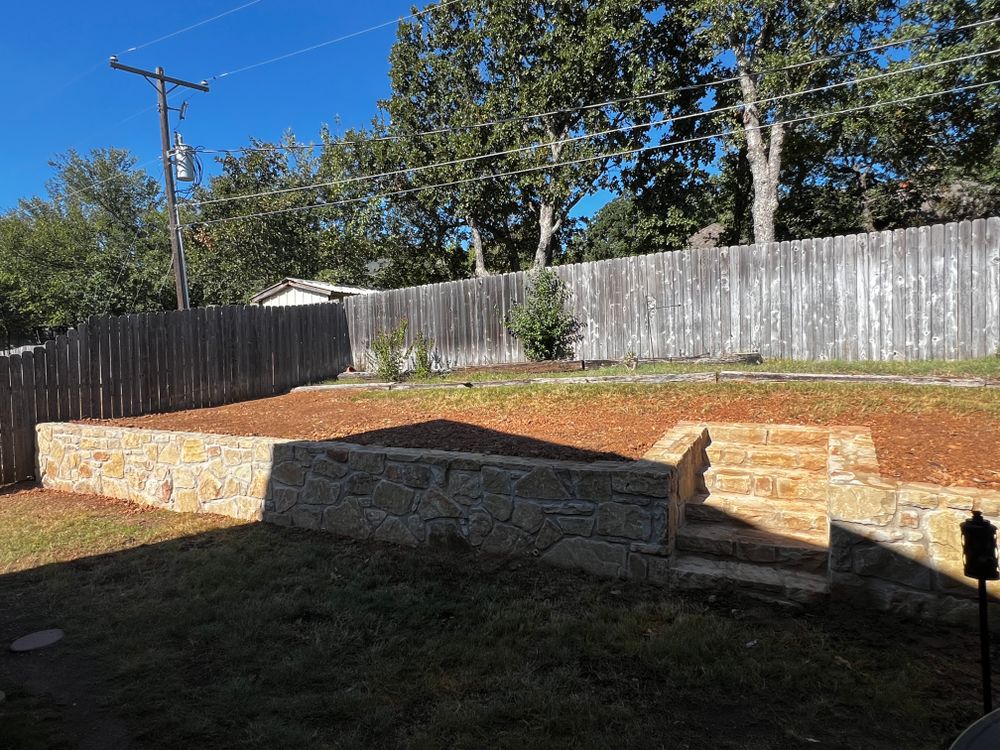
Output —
(547, 227)
(763, 154)
(477, 248)
(867, 216)
(548, 224)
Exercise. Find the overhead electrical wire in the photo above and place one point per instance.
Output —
(586, 136)
(327, 43)
(609, 102)
(582, 160)
(193, 26)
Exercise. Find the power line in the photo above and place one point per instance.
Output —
(327, 43)
(653, 123)
(608, 103)
(189, 28)
(583, 160)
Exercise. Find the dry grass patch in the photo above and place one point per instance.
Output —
(198, 632)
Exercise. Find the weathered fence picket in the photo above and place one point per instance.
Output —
(138, 364)
(921, 293)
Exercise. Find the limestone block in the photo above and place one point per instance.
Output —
(506, 541)
(540, 483)
(410, 474)
(169, 454)
(570, 508)
(589, 555)
(395, 531)
(392, 497)
(918, 495)
(187, 501)
(549, 534)
(862, 503)
(657, 568)
(320, 490)
(330, 468)
(480, 525)
(289, 472)
(436, 504)
(498, 506)
(527, 515)
(576, 525)
(248, 508)
(619, 519)
(636, 483)
(209, 488)
(367, 461)
(260, 484)
(465, 487)
(338, 453)
(285, 499)
(193, 451)
(902, 563)
(496, 481)
(592, 485)
(347, 519)
(361, 484)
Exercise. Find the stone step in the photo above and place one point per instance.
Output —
(771, 483)
(760, 434)
(696, 572)
(807, 520)
(734, 541)
(748, 455)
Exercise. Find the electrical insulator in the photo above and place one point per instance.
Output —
(184, 160)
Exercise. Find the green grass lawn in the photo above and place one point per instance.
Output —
(985, 367)
(186, 631)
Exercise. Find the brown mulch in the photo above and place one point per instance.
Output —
(914, 441)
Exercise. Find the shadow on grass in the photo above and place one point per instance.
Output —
(260, 636)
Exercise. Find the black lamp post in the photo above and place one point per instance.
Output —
(979, 551)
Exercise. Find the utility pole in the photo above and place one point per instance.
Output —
(160, 80)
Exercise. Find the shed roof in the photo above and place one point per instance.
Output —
(308, 285)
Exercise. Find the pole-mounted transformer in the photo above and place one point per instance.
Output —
(184, 160)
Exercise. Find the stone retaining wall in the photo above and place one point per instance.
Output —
(608, 518)
(893, 545)
(897, 545)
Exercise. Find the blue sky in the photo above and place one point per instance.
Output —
(60, 93)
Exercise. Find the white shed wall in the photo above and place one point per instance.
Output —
(292, 296)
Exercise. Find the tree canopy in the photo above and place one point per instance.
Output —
(506, 118)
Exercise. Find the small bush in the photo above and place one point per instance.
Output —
(422, 347)
(630, 361)
(544, 328)
(388, 352)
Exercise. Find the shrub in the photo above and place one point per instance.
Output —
(422, 355)
(542, 324)
(388, 352)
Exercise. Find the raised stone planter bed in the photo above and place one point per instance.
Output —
(796, 512)
(609, 518)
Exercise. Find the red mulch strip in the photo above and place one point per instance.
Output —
(930, 445)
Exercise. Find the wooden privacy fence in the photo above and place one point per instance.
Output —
(122, 366)
(922, 293)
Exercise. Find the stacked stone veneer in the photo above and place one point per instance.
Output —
(893, 545)
(609, 518)
(897, 545)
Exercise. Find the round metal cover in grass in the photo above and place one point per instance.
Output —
(35, 641)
